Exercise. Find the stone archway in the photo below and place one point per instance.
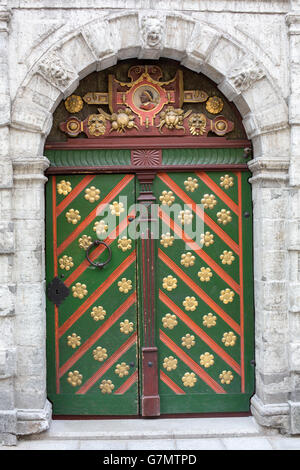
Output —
(240, 76)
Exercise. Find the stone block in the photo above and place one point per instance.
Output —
(29, 116)
(41, 92)
(30, 266)
(294, 296)
(98, 37)
(28, 201)
(6, 237)
(125, 34)
(177, 38)
(225, 55)
(7, 299)
(29, 235)
(204, 38)
(35, 420)
(7, 340)
(30, 331)
(30, 391)
(8, 421)
(7, 363)
(7, 397)
(294, 356)
(294, 417)
(77, 52)
(273, 145)
(25, 143)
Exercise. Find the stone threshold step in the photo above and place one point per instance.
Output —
(184, 428)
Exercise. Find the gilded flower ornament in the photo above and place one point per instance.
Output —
(167, 198)
(122, 369)
(190, 304)
(64, 187)
(74, 341)
(229, 339)
(191, 184)
(79, 290)
(74, 104)
(124, 244)
(167, 240)
(226, 181)
(116, 208)
(207, 360)
(209, 201)
(92, 194)
(226, 296)
(170, 363)
(214, 105)
(207, 239)
(189, 379)
(224, 217)
(106, 386)
(74, 378)
(205, 274)
(85, 242)
(187, 259)
(209, 320)
(185, 217)
(66, 262)
(126, 327)
(227, 257)
(73, 216)
(98, 313)
(169, 283)
(226, 377)
(169, 321)
(100, 354)
(188, 341)
(125, 285)
(100, 227)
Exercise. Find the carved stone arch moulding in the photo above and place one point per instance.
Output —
(197, 45)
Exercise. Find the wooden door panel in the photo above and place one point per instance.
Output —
(91, 335)
(205, 309)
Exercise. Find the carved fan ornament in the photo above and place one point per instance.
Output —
(146, 105)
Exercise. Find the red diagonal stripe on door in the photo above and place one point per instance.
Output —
(74, 193)
(198, 331)
(108, 364)
(195, 208)
(127, 384)
(172, 385)
(100, 332)
(97, 293)
(200, 292)
(191, 364)
(218, 191)
(198, 250)
(98, 251)
(112, 195)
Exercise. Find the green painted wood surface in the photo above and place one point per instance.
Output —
(92, 401)
(88, 157)
(201, 398)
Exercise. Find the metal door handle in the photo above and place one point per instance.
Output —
(97, 243)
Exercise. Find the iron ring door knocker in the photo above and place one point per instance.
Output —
(97, 243)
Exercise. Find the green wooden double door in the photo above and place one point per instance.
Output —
(199, 262)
